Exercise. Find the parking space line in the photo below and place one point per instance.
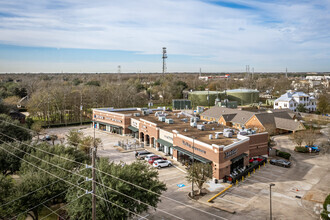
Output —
(263, 178)
(244, 191)
(172, 178)
(270, 173)
(234, 195)
(255, 181)
(180, 169)
(231, 202)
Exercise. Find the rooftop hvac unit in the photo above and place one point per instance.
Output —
(184, 120)
(185, 130)
(193, 124)
(136, 114)
(201, 127)
(228, 134)
(212, 129)
(210, 136)
(216, 135)
(204, 122)
(145, 112)
(169, 121)
(161, 119)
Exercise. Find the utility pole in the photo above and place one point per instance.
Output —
(270, 195)
(94, 179)
(193, 171)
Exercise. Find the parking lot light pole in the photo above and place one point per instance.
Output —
(270, 196)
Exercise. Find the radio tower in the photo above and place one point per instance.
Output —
(286, 72)
(119, 69)
(164, 60)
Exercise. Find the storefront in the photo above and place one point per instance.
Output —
(165, 142)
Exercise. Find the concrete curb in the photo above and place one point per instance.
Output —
(213, 206)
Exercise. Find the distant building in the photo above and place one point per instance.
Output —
(291, 100)
(271, 121)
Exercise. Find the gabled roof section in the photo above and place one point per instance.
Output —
(216, 112)
(228, 117)
(242, 117)
(288, 124)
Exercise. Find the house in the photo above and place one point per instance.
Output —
(291, 100)
(274, 121)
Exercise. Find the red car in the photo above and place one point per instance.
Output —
(255, 159)
(152, 159)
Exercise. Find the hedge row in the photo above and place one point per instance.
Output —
(301, 149)
(285, 155)
(65, 125)
(325, 213)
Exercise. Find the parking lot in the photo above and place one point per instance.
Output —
(308, 179)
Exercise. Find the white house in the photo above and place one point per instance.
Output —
(292, 99)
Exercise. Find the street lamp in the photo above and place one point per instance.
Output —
(270, 195)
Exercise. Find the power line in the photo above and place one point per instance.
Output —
(62, 207)
(93, 181)
(181, 203)
(41, 149)
(29, 193)
(71, 183)
(60, 217)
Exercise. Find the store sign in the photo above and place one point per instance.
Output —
(194, 148)
(230, 153)
(134, 123)
(107, 118)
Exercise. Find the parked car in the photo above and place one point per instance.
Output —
(147, 157)
(162, 163)
(281, 163)
(314, 148)
(153, 159)
(140, 154)
(46, 138)
(255, 159)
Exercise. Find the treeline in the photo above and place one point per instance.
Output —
(69, 98)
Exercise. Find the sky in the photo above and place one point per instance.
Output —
(216, 36)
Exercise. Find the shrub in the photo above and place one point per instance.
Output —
(325, 213)
(285, 155)
(301, 149)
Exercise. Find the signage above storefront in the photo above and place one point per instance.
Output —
(107, 118)
(230, 153)
(194, 148)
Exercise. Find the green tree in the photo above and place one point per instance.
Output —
(86, 143)
(74, 137)
(10, 164)
(6, 187)
(32, 179)
(37, 128)
(325, 213)
(301, 108)
(323, 104)
(198, 174)
(137, 173)
(13, 129)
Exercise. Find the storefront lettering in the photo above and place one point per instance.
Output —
(107, 118)
(168, 137)
(195, 148)
(230, 153)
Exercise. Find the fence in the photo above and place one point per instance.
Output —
(250, 169)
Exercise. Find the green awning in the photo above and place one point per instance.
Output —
(196, 157)
(165, 143)
(234, 160)
(134, 129)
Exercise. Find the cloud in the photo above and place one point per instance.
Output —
(236, 32)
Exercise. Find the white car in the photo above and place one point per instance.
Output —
(147, 157)
(162, 163)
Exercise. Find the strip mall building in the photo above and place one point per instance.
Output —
(182, 136)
